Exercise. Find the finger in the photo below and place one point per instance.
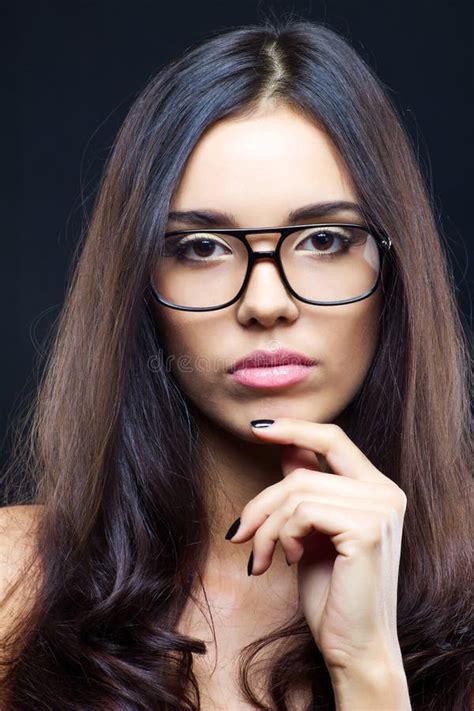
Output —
(268, 534)
(342, 455)
(307, 484)
(336, 522)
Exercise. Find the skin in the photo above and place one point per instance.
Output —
(259, 168)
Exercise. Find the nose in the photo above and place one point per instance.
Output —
(266, 298)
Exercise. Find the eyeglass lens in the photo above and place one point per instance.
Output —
(202, 269)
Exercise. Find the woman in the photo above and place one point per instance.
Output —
(261, 195)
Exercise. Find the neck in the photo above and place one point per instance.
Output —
(236, 472)
(239, 470)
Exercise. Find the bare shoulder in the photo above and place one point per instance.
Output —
(17, 538)
(17, 531)
(16, 517)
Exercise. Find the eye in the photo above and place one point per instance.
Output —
(196, 248)
(326, 242)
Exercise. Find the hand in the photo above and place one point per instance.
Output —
(344, 531)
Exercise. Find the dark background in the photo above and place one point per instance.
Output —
(72, 70)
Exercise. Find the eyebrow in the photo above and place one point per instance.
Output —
(307, 212)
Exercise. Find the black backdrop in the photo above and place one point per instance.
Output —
(72, 70)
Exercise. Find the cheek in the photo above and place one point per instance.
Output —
(187, 344)
(351, 345)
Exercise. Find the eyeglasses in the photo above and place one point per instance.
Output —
(321, 264)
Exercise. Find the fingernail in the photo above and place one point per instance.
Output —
(233, 529)
(261, 423)
(250, 564)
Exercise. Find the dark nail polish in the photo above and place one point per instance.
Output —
(250, 564)
(261, 423)
(233, 529)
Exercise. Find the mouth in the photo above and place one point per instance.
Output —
(272, 376)
(270, 369)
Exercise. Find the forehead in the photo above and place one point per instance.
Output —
(259, 168)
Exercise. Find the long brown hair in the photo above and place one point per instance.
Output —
(111, 446)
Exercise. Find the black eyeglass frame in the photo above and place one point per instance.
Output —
(383, 243)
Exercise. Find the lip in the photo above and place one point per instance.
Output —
(264, 359)
(270, 369)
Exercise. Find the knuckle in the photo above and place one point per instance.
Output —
(292, 502)
(335, 430)
(372, 534)
(397, 500)
(335, 435)
(297, 477)
(302, 509)
(402, 500)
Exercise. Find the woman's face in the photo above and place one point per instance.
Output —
(259, 169)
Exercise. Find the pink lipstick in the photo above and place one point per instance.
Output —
(270, 369)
